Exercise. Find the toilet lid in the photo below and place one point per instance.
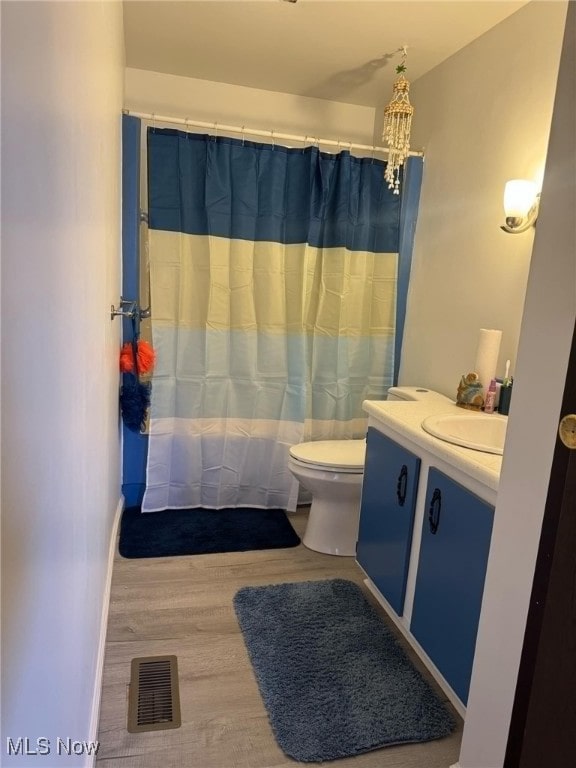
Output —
(344, 454)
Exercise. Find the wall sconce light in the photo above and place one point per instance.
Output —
(521, 201)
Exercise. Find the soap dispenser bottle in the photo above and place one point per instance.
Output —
(490, 397)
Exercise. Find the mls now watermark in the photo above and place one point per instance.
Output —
(44, 746)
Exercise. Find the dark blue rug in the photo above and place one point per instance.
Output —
(176, 532)
(331, 674)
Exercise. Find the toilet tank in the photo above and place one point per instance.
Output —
(415, 393)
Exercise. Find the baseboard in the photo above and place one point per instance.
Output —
(94, 719)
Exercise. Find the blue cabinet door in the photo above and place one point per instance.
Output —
(387, 515)
(456, 535)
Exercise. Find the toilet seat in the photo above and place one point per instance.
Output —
(334, 455)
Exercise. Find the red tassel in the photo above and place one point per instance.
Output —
(126, 358)
(146, 357)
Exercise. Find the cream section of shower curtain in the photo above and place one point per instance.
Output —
(260, 345)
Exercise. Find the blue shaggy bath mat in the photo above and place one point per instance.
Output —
(200, 531)
(333, 678)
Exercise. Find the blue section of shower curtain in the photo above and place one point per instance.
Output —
(411, 185)
(239, 189)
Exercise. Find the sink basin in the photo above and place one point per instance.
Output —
(482, 432)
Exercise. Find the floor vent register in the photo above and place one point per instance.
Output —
(154, 696)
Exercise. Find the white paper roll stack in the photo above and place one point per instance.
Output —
(487, 356)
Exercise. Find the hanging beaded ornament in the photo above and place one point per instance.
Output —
(397, 125)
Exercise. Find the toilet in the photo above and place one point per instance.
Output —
(332, 471)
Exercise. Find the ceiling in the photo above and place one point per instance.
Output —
(342, 50)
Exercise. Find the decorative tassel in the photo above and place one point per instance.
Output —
(136, 357)
(134, 402)
(146, 357)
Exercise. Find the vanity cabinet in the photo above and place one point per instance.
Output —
(387, 516)
(425, 530)
(456, 532)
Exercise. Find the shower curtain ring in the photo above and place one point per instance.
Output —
(273, 142)
(243, 135)
(215, 131)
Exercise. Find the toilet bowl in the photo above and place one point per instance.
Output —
(332, 471)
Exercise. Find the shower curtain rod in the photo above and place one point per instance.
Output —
(258, 132)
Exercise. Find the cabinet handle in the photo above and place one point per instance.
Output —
(402, 485)
(434, 510)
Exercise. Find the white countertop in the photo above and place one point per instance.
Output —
(404, 418)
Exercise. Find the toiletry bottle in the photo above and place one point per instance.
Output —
(505, 396)
(490, 397)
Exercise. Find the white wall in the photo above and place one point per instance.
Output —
(62, 79)
(547, 326)
(483, 116)
(208, 101)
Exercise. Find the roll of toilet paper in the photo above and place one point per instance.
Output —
(487, 356)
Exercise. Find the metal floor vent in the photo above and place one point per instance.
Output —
(154, 697)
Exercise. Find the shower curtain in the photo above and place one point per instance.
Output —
(273, 291)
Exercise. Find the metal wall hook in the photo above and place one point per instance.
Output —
(131, 309)
(126, 308)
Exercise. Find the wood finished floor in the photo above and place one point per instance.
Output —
(183, 606)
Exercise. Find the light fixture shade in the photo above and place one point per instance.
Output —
(519, 197)
(521, 201)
